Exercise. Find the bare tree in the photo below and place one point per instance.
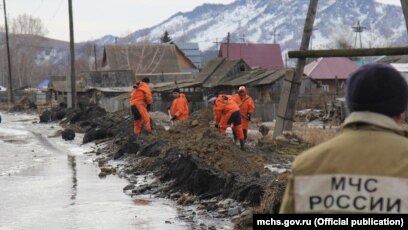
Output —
(29, 25)
(86, 61)
(25, 41)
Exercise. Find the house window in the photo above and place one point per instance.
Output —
(325, 88)
(242, 68)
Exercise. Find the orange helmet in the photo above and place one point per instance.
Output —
(242, 88)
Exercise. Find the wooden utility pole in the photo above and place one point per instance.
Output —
(72, 103)
(358, 29)
(10, 81)
(274, 34)
(404, 6)
(228, 44)
(216, 43)
(292, 83)
(96, 65)
(287, 104)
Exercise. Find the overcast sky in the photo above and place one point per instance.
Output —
(96, 18)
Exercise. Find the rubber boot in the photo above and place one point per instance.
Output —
(242, 143)
(245, 134)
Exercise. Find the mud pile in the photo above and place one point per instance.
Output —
(91, 120)
(191, 157)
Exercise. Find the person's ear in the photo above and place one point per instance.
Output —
(399, 119)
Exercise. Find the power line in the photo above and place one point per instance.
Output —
(55, 14)
(38, 8)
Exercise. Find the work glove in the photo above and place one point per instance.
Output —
(148, 107)
(173, 118)
(216, 126)
(248, 116)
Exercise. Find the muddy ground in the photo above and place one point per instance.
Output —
(190, 162)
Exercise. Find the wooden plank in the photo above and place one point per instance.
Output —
(404, 6)
(349, 52)
(285, 122)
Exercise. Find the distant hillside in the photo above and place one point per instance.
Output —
(254, 21)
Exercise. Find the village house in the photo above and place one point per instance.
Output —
(122, 66)
(220, 69)
(265, 56)
(159, 62)
(59, 89)
(225, 76)
(326, 76)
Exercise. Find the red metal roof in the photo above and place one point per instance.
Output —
(330, 67)
(266, 56)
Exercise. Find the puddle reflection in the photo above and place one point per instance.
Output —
(73, 166)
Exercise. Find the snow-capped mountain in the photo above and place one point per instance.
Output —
(255, 20)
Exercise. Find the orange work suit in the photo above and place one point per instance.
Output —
(246, 106)
(140, 98)
(179, 108)
(226, 112)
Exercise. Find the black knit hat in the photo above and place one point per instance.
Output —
(176, 90)
(146, 80)
(377, 88)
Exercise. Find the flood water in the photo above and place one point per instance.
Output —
(48, 183)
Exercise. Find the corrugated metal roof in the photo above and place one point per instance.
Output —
(61, 86)
(209, 69)
(226, 71)
(112, 89)
(168, 86)
(220, 70)
(255, 77)
(188, 46)
(395, 59)
(166, 77)
(244, 78)
(266, 56)
(272, 77)
(112, 78)
(221, 73)
(192, 51)
(144, 58)
(329, 67)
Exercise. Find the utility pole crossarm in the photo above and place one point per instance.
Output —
(349, 52)
(274, 34)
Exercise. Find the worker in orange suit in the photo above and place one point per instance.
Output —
(226, 112)
(179, 107)
(140, 101)
(247, 108)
